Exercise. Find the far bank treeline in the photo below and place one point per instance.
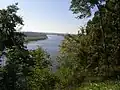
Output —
(89, 60)
(34, 36)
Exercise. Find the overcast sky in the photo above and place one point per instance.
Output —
(46, 15)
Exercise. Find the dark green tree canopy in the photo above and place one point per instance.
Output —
(10, 23)
(83, 7)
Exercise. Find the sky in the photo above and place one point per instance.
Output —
(46, 15)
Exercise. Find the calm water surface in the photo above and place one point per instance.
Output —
(51, 45)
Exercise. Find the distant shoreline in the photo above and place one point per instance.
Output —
(29, 39)
(34, 36)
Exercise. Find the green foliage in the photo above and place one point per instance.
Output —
(65, 77)
(27, 70)
(95, 50)
(12, 76)
(74, 52)
(18, 65)
(41, 58)
(41, 77)
(10, 22)
(23, 69)
(101, 86)
(84, 7)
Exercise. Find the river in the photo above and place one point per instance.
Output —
(51, 45)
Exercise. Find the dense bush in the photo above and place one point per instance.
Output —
(41, 76)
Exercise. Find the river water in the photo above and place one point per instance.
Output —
(51, 45)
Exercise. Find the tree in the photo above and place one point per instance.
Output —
(94, 52)
(84, 7)
(23, 69)
(13, 74)
(17, 68)
(41, 77)
(108, 11)
(10, 22)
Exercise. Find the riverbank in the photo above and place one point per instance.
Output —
(34, 36)
(28, 39)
